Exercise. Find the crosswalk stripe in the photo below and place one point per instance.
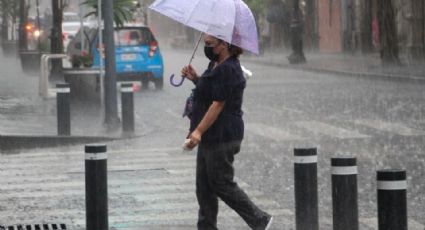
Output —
(329, 130)
(391, 127)
(77, 221)
(81, 159)
(270, 132)
(80, 168)
(183, 215)
(373, 223)
(64, 153)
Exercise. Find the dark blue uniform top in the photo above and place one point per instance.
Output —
(223, 83)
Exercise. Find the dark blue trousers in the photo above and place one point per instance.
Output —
(214, 179)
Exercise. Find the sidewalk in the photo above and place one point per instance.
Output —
(343, 64)
(29, 121)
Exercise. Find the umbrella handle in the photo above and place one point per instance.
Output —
(176, 84)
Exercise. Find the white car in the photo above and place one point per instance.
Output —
(70, 26)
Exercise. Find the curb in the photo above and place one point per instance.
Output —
(339, 72)
(17, 142)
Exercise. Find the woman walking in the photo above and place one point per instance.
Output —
(217, 128)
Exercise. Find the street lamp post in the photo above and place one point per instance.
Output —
(297, 56)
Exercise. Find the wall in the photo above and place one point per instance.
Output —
(329, 23)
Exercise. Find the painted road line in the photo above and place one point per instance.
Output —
(270, 132)
(111, 168)
(78, 189)
(329, 130)
(111, 161)
(24, 155)
(391, 127)
(190, 215)
(373, 223)
(142, 219)
(130, 182)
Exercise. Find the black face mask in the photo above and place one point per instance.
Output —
(209, 53)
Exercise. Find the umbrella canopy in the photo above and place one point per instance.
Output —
(229, 20)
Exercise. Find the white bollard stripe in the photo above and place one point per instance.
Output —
(96, 156)
(392, 185)
(63, 90)
(127, 90)
(305, 159)
(344, 170)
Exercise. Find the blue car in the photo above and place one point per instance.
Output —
(137, 54)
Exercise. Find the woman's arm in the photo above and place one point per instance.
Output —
(209, 118)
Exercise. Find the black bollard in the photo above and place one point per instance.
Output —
(344, 193)
(127, 107)
(305, 177)
(392, 204)
(96, 187)
(63, 100)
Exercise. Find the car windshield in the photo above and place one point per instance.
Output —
(133, 37)
(70, 17)
(70, 27)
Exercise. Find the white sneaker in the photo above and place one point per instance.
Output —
(269, 223)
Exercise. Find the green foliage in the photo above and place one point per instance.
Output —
(9, 8)
(257, 6)
(123, 10)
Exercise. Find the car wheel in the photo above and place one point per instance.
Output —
(159, 83)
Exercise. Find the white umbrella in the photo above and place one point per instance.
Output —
(229, 20)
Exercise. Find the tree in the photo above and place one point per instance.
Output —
(9, 12)
(56, 42)
(4, 5)
(388, 33)
(23, 16)
(123, 10)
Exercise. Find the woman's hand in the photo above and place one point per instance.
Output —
(189, 73)
(194, 139)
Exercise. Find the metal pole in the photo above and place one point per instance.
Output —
(392, 204)
(306, 200)
(39, 27)
(101, 53)
(63, 109)
(81, 12)
(111, 108)
(344, 193)
(127, 107)
(96, 187)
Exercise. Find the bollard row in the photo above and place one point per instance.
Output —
(391, 192)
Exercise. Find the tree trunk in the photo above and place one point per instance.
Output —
(4, 28)
(366, 27)
(388, 33)
(4, 24)
(22, 22)
(415, 47)
(56, 46)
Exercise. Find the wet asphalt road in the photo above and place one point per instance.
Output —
(381, 122)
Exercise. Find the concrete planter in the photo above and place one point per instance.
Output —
(30, 60)
(9, 48)
(84, 84)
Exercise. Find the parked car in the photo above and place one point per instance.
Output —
(70, 25)
(137, 53)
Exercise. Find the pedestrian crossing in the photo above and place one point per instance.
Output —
(313, 130)
(145, 188)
